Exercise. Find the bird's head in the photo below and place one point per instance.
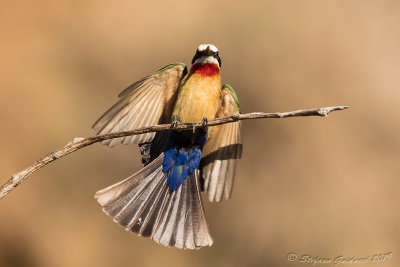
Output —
(206, 54)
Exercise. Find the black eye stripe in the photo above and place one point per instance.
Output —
(206, 53)
(196, 56)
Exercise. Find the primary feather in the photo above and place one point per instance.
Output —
(145, 103)
(222, 149)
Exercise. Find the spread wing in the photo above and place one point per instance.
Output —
(145, 103)
(222, 149)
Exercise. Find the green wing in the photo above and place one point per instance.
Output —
(222, 149)
(147, 102)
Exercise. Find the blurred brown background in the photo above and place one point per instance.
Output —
(322, 187)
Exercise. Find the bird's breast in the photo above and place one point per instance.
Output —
(198, 98)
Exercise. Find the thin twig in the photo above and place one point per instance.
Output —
(79, 143)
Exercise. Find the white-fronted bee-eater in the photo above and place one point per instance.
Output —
(163, 200)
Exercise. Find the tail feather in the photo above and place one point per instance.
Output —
(200, 227)
(116, 192)
(143, 203)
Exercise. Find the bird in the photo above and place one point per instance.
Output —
(163, 200)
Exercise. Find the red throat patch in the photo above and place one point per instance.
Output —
(207, 69)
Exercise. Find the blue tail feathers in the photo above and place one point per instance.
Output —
(180, 163)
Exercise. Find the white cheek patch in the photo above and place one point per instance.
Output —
(208, 59)
(203, 47)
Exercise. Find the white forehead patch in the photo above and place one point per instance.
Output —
(203, 47)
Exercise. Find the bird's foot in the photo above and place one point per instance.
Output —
(204, 122)
(174, 124)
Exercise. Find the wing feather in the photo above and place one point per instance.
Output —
(146, 102)
(222, 149)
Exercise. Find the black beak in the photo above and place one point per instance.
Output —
(208, 52)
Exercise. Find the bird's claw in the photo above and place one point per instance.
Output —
(174, 124)
(204, 122)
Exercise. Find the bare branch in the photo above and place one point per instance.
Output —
(79, 143)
